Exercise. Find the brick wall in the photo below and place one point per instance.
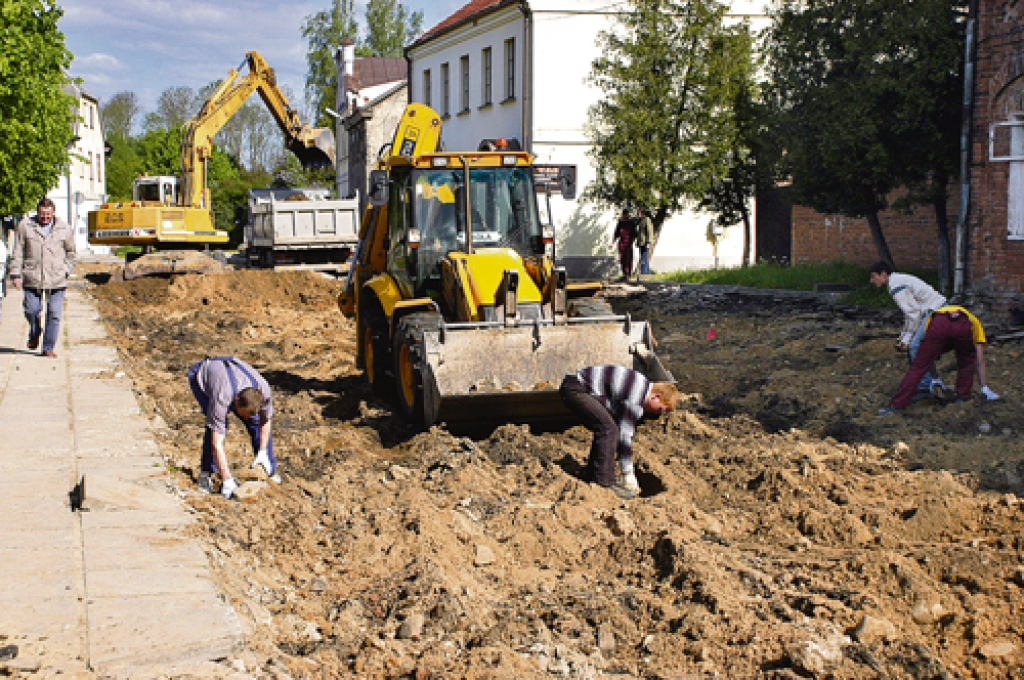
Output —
(912, 238)
(995, 272)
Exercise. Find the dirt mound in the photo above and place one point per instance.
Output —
(784, 530)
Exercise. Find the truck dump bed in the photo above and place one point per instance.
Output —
(305, 233)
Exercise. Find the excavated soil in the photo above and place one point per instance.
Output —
(784, 531)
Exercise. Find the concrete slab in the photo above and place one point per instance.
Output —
(154, 630)
(148, 580)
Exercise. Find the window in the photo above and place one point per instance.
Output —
(485, 67)
(445, 92)
(464, 72)
(426, 87)
(99, 168)
(92, 174)
(510, 69)
(1015, 199)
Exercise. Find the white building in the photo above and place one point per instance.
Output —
(518, 69)
(83, 187)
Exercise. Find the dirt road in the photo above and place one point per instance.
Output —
(785, 530)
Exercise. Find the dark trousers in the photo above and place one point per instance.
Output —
(252, 425)
(601, 465)
(947, 331)
(626, 258)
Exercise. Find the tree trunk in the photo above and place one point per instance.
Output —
(746, 235)
(942, 224)
(880, 245)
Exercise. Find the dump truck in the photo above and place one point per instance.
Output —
(300, 229)
(173, 212)
(459, 307)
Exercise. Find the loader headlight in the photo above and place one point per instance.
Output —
(414, 238)
(441, 162)
(509, 161)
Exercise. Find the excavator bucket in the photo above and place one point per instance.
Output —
(314, 147)
(167, 262)
(474, 375)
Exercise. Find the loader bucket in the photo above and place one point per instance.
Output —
(167, 262)
(314, 148)
(487, 374)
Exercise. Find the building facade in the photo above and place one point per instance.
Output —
(995, 253)
(518, 69)
(83, 187)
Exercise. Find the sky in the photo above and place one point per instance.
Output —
(146, 46)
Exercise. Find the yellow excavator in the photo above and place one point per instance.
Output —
(174, 212)
(459, 307)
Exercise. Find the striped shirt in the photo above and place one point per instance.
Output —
(623, 392)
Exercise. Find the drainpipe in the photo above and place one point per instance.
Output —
(524, 7)
(966, 125)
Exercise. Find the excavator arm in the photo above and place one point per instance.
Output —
(314, 147)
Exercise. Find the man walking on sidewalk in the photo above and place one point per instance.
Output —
(225, 385)
(611, 400)
(42, 257)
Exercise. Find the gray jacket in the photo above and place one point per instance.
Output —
(42, 262)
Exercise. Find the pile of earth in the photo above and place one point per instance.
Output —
(784, 530)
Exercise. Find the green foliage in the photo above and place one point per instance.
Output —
(174, 107)
(866, 100)
(35, 115)
(772, 275)
(119, 114)
(160, 152)
(324, 32)
(666, 131)
(123, 166)
(390, 27)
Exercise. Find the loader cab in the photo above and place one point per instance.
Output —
(159, 189)
(503, 214)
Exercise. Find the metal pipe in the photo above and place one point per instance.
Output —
(966, 123)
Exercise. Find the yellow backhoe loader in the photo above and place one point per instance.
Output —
(457, 302)
(174, 212)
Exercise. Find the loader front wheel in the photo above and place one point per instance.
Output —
(376, 350)
(418, 397)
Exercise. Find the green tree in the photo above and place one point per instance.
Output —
(35, 114)
(865, 95)
(390, 26)
(120, 113)
(123, 166)
(324, 32)
(174, 107)
(160, 152)
(663, 132)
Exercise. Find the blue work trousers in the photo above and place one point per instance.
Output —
(33, 306)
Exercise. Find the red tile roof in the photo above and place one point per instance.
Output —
(465, 13)
(370, 71)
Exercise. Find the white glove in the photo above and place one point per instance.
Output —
(263, 460)
(227, 489)
(989, 394)
(629, 481)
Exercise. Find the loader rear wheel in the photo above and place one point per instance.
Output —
(589, 307)
(376, 349)
(418, 396)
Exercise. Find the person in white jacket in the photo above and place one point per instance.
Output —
(918, 301)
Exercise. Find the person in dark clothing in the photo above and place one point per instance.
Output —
(611, 400)
(625, 235)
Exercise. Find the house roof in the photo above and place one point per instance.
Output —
(467, 12)
(370, 71)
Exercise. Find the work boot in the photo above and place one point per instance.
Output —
(206, 482)
(33, 342)
(629, 482)
(938, 389)
(227, 489)
(623, 492)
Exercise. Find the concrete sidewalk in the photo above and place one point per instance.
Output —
(117, 586)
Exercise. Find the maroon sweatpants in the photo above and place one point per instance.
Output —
(947, 331)
(601, 465)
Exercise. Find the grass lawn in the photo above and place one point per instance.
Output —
(798, 277)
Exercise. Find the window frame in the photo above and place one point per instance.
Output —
(487, 76)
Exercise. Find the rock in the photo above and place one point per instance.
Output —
(926, 613)
(816, 656)
(872, 629)
(606, 638)
(318, 585)
(484, 556)
(997, 649)
(712, 527)
(20, 665)
(249, 490)
(984, 428)
(238, 665)
(412, 627)
(901, 449)
(620, 523)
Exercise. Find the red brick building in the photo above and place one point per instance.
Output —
(995, 253)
